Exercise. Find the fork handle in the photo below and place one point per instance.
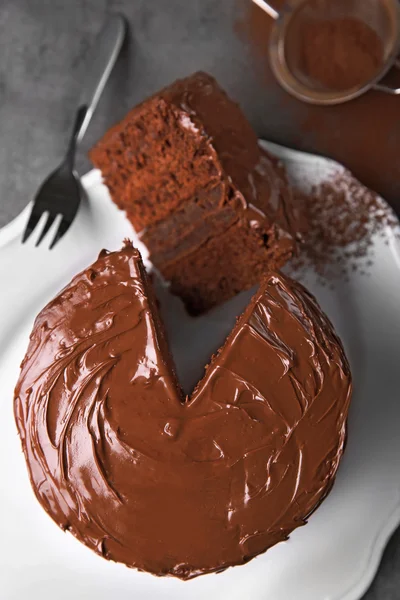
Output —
(101, 59)
(81, 115)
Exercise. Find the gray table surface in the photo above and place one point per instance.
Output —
(43, 44)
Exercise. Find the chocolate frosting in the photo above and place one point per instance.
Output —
(206, 110)
(143, 476)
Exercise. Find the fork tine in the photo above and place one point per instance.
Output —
(48, 224)
(32, 223)
(62, 230)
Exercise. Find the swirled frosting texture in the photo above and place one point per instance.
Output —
(171, 485)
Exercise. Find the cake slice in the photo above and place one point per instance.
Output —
(212, 207)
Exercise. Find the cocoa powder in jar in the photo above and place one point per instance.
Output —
(340, 53)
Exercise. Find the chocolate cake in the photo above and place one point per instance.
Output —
(163, 483)
(213, 208)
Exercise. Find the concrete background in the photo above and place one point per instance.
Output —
(43, 44)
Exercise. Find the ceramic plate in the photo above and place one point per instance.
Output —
(336, 554)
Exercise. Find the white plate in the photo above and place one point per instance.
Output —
(336, 555)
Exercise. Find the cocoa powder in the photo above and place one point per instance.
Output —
(339, 221)
(340, 53)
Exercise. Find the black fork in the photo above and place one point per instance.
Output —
(61, 193)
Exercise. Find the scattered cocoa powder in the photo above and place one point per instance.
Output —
(339, 220)
(340, 53)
